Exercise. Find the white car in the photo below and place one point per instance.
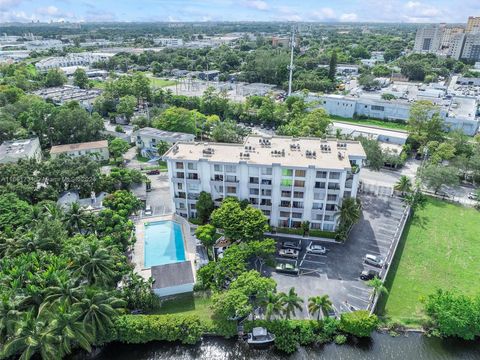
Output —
(316, 249)
(148, 210)
(290, 253)
(374, 260)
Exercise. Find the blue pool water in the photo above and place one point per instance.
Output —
(163, 243)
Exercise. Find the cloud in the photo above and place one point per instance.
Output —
(349, 17)
(325, 13)
(256, 4)
(9, 4)
(48, 10)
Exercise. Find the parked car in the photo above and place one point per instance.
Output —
(153, 172)
(473, 196)
(373, 260)
(331, 313)
(148, 210)
(287, 268)
(316, 249)
(290, 253)
(369, 274)
(292, 245)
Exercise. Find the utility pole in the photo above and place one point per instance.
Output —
(291, 67)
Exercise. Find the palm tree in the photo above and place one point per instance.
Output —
(71, 331)
(403, 184)
(291, 301)
(95, 263)
(377, 285)
(97, 309)
(10, 311)
(33, 335)
(272, 304)
(319, 304)
(65, 292)
(76, 218)
(349, 211)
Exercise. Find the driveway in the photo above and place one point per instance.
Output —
(337, 273)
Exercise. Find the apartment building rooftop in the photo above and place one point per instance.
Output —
(152, 132)
(14, 150)
(281, 150)
(58, 149)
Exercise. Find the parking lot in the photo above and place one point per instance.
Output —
(337, 273)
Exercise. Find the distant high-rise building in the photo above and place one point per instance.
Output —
(473, 24)
(429, 39)
(471, 47)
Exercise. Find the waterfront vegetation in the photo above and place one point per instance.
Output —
(439, 250)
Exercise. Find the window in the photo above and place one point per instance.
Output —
(317, 206)
(231, 189)
(230, 168)
(319, 185)
(193, 187)
(297, 215)
(253, 171)
(179, 165)
(286, 182)
(231, 178)
(284, 214)
(330, 207)
(192, 166)
(181, 205)
(332, 197)
(284, 203)
(334, 175)
(287, 172)
(328, 218)
(193, 176)
(298, 204)
(253, 201)
(266, 212)
(378, 108)
(300, 173)
(286, 193)
(193, 206)
(254, 191)
(217, 167)
(328, 227)
(333, 186)
(266, 171)
(180, 175)
(299, 183)
(266, 182)
(347, 194)
(266, 192)
(253, 180)
(180, 186)
(298, 194)
(266, 202)
(218, 178)
(321, 174)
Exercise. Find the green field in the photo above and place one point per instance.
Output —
(188, 304)
(157, 82)
(440, 249)
(372, 122)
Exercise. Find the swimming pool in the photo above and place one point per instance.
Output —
(163, 243)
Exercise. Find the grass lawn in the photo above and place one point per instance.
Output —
(97, 84)
(156, 82)
(188, 304)
(372, 122)
(440, 249)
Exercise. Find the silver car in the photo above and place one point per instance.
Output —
(373, 260)
(316, 249)
(290, 253)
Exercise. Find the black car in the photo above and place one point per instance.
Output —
(153, 172)
(369, 274)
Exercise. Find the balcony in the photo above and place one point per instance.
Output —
(348, 184)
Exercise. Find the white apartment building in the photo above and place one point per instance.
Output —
(147, 139)
(97, 149)
(428, 39)
(12, 151)
(290, 179)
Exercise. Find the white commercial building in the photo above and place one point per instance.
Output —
(168, 42)
(14, 150)
(96, 149)
(291, 180)
(147, 139)
(76, 59)
(428, 39)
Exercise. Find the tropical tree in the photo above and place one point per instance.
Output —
(66, 292)
(319, 304)
(95, 263)
(97, 309)
(206, 235)
(378, 286)
(204, 207)
(272, 304)
(403, 184)
(349, 211)
(291, 301)
(33, 335)
(76, 218)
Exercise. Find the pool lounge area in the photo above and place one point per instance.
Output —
(165, 251)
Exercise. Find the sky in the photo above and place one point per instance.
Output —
(412, 11)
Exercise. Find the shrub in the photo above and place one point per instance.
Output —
(140, 329)
(340, 339)
(358, 323)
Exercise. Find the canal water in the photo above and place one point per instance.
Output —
(381, 346)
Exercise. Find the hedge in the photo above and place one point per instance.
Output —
(312, 232)
(289, 334)
(140, 329)
(359, 323)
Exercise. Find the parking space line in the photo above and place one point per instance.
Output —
(356, 297)
(362, 289)
(313, 261)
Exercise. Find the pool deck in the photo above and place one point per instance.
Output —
(138, 255)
